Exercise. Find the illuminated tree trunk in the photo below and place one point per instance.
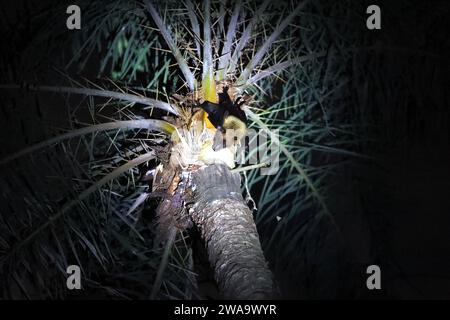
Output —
(226, 225)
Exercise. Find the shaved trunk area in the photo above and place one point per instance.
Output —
(228, 230)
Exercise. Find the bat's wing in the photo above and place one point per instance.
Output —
(216, 113)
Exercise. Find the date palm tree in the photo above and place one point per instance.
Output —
(144, 139)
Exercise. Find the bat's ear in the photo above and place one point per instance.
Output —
(223, 96)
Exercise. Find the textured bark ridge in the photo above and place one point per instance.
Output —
(227, 227)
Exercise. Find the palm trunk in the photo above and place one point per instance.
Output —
(226, 225)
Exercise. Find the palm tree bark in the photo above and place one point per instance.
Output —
(227, 227)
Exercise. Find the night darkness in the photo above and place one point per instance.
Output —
(388, 193)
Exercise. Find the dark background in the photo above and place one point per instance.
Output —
(394, 209)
